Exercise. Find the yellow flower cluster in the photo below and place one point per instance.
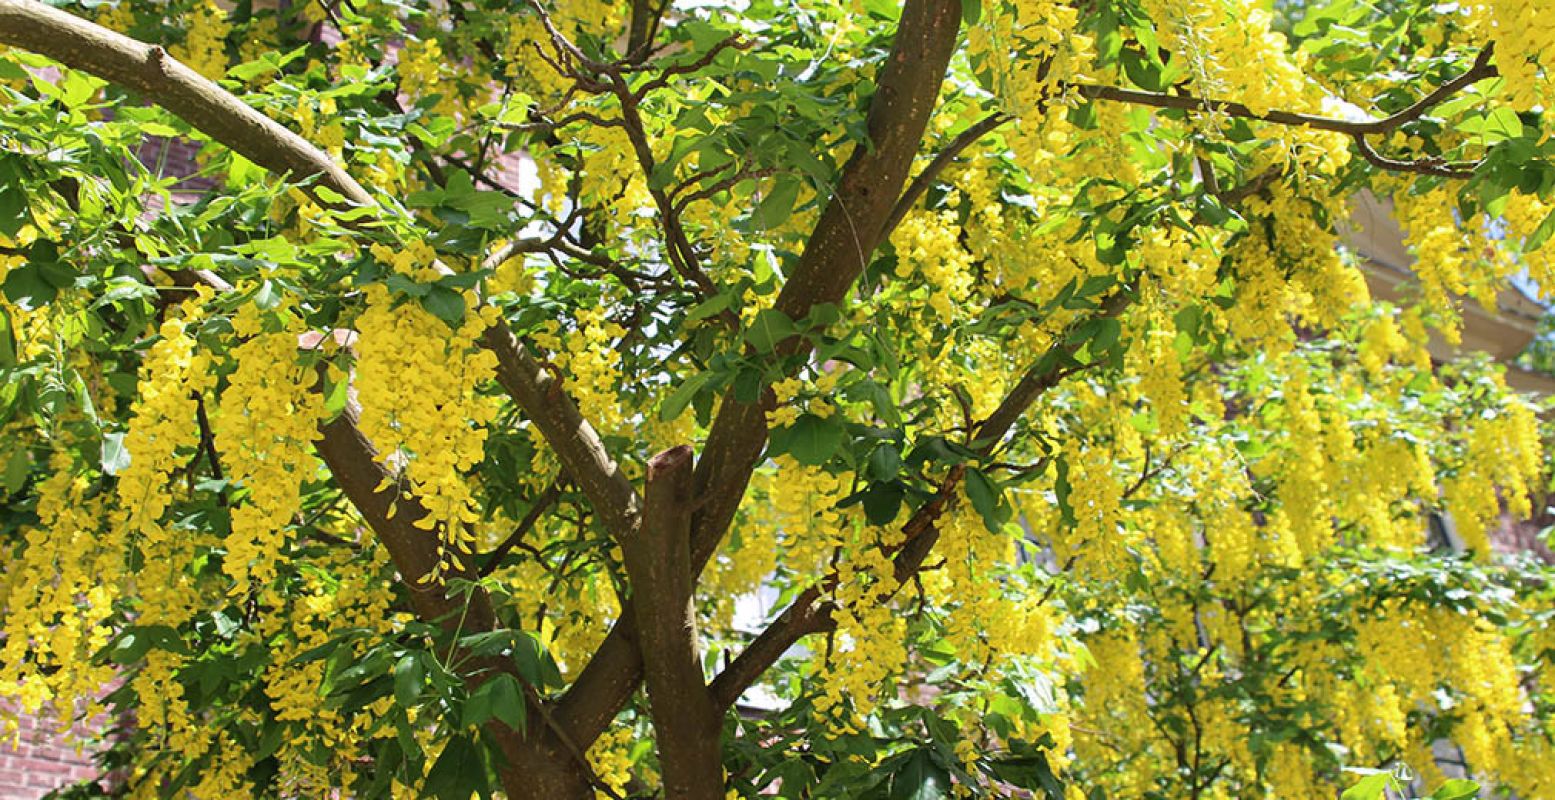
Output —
(1232, 53)
(1029, 46)
(611, 757)
(417, 381)
(264, 433)
(161, 433)
(1412, 655)
(1289, 270)
(926, 243)
(590, 356)
(345, 589)
(1522, 215)
(1525, 48)
(331, 135)
(1502, 451)
(204, 47)
(523, 63)
(1154, 358)
(57, 605)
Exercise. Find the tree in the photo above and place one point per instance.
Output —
(425, 439)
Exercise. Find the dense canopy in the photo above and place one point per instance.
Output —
(831, 400)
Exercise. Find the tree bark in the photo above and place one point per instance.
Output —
(148, 69)
(686, 723)
(849, 230)
(583, 455)
(538, 763)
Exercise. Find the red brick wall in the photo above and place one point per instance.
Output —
(39, 762)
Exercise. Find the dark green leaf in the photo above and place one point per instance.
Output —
(13, 210)
(499, 698)
(676, 403)
(458, 772)
(445, 304)
(813, 440)
(768, 329)
(971, 11)
(408, 675)
(776, 207)
(985, 496)
(919, 778)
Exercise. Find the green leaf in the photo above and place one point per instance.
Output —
(445, 304)
(26, 287)
(812, 440)
(1455, 789)
(408, 674)
(919, 778)
(985, 496)
(114, 457)
(971, 11)
(1370, 787)
(499, 698)
(458, 772)
(770, 327)
(339, 395)
(267, 297)
(674, 405)
(885, 462)
(883, 501)
(13, 210)
(534, 664)
(709, 307)
(1107, 333)
(16, 469)
(1031, 772)
(776, 207)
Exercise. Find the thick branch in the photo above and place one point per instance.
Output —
(848, 231)
(686, 724)
(582, 454)
(537, 760)
(148, 69)
(808, 614)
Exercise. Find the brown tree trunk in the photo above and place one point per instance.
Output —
(686, 723)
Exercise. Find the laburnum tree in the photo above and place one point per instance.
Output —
(961, 398)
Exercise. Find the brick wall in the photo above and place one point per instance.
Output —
(39, 762)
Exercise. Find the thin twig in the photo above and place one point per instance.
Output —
(514, 539)
(931, 172)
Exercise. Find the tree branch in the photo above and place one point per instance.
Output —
(148, 69)
(1357, 130)
(848, 231)
(1480, 70)
(807, 614)
(931, 172)
(583, 455)
(534, 760)
(1437, 167)
(494, 558)
(687, 725)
